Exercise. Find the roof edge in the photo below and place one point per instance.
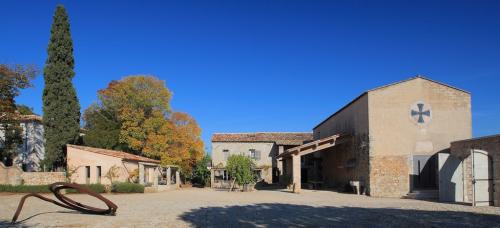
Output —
(260, 132)
(387, 85)
(341, 109)
(421, 77)
(477, 138)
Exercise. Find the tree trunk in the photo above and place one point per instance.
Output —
(232, 185)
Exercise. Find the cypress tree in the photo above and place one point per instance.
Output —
(61, 109)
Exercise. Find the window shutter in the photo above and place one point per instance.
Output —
(257, 155)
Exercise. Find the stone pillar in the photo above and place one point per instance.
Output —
(155, 176)
(212, 177)
(296, 173)
(279, 165)
(141, 173)
(177, 179)
(169, 175)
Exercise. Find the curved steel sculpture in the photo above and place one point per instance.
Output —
(69, 203)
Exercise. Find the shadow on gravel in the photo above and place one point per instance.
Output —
(289, 215)
(5, 223)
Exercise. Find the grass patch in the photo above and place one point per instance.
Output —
(125, 187)
(98, 188)
(24, 188)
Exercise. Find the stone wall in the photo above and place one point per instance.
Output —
(346, 162)
(13, 175)
(42, 178)
(10, 175)
(389, 176)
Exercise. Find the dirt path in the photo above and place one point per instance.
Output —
(208, 208)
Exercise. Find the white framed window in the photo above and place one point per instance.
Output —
(225, 153)
(254, 154)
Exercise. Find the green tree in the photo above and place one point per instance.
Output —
(25, 110)
(240, 167)
(61, 109)
(102, 129)
(201, 174)
(12, 80)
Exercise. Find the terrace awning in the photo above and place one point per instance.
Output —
(293, 155)
(311, 147)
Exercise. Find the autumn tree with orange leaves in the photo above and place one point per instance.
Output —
(186, 146)
(134, 115)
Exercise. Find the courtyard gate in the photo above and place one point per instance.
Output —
(482, 181)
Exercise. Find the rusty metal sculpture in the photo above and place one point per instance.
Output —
(69, 203)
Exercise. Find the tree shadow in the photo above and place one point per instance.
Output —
(290, 215)
(48, 212)
(5, 223)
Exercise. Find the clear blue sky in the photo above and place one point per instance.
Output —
(242, 66)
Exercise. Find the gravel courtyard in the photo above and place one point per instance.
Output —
(210, 208)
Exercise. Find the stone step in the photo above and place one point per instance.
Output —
(423, 194)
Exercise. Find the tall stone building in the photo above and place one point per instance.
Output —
(386, 139)
(32, 151)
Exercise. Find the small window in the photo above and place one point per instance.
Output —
(254, 154)
(226, 154)
(87, 174)
(99, 174)
(87, 171)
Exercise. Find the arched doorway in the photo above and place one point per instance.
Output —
(482, 178)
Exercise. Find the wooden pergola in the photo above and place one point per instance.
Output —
(295, 153)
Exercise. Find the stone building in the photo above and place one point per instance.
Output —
(32, 151)
(470, 172)
(88, 165)
(261, 146)
(385, 140)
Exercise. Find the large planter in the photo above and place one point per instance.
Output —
(248, 187)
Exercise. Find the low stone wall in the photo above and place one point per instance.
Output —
(13, 175)
(10, 175)
(42, 178)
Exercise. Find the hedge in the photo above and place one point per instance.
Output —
(99, 188)
(24, 188)
(125, 187)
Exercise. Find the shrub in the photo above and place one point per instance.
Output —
(240, 167)
(201, 174)
(125, 187)
(24, 188)
(98, 188)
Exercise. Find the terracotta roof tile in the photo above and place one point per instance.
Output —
(280, 138)
(115, 153)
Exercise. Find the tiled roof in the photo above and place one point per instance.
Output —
(115, 153)
(280, 138)
(31, 118)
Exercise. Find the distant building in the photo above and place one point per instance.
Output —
(262, 147)
(32, 151)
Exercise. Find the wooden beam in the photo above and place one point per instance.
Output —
(311, 146)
